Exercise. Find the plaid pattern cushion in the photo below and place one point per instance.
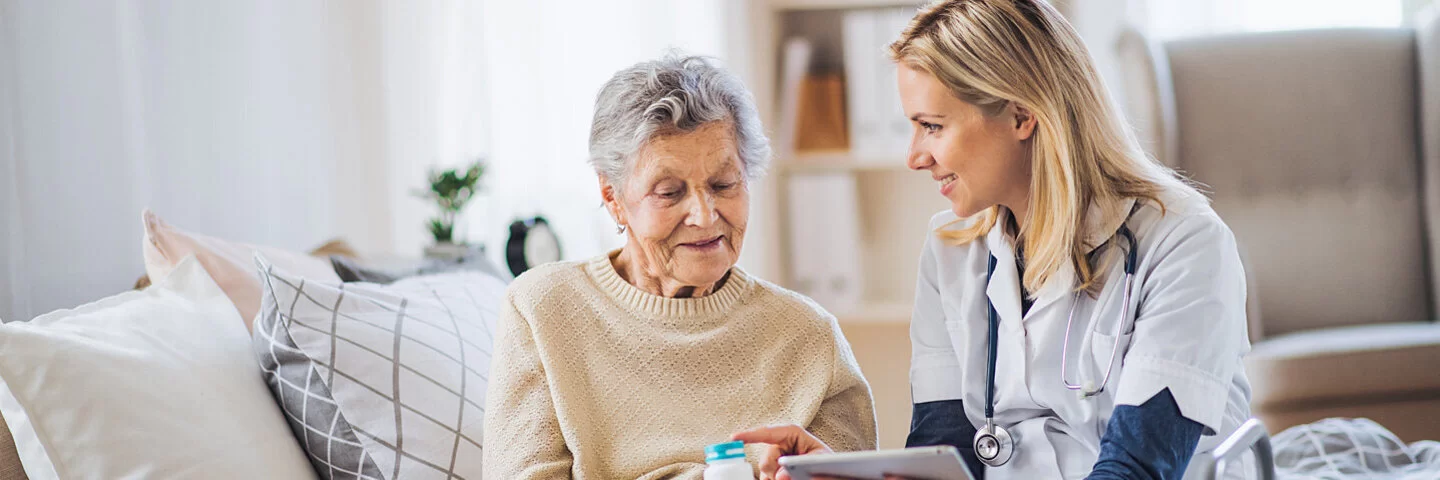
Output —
(381, 381)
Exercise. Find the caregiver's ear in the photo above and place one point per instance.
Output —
(1024, 124)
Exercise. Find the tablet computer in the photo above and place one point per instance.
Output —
(928, 463)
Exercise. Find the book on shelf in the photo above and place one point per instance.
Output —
(821, 124)
(824, 241)
(795, 64)
(879, 129)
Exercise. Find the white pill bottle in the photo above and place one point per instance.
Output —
(726, 461)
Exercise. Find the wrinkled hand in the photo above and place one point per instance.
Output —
(781, 441)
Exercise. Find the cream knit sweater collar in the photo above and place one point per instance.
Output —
(602, 270)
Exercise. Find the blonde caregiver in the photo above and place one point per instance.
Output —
(1080, 308)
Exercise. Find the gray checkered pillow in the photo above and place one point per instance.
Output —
(381, 381)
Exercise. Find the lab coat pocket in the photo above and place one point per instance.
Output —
(1101, 347)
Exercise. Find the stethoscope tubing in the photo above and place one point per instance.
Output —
(998, 445)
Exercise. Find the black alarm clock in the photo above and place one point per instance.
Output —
(531, 243)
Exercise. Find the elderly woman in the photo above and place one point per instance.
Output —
(628, 364)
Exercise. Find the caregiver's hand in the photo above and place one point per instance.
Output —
(783, 440)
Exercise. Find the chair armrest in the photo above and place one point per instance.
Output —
(1250, 435)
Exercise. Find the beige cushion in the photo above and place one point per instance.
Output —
(1149, 103)
(1309, 141)
(1348, 365)
(230, 264)
(10, 468)
(1147, 97)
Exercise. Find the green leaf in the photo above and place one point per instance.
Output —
(442, 231)
(451, 190)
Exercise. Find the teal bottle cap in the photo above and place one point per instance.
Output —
(724, 451)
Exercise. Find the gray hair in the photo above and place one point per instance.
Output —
(675, 94)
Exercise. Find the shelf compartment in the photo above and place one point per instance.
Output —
(841, 161)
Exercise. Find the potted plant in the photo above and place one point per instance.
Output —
(451, 190)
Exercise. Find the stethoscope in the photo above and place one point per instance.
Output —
(993, 444)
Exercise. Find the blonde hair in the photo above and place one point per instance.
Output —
(993, 52)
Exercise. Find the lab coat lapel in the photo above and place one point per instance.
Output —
(1004, 288)
(1058, 291)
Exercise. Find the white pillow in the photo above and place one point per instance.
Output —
(159, 383)
(382, 381)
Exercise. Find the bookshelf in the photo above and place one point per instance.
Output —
(891, 204)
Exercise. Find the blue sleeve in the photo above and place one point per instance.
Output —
(943, 423)
(1151, 441)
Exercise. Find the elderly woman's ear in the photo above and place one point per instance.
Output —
(611, 198)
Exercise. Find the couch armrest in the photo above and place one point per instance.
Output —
(1345, 366)
(10, 468)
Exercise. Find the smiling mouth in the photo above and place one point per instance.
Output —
(945, 181)
(704, 243)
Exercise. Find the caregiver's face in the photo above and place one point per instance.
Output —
(686, 203)
(977, 160)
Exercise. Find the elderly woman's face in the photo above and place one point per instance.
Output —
(686, 203)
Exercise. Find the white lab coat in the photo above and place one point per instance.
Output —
(1188, 334)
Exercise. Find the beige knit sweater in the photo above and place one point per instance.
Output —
(595, 378)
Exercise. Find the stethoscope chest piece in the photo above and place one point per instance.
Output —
(993, 445)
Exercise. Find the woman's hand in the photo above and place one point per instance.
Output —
(784, 440)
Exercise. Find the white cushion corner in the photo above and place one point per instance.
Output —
(164, 360)
(28, 445)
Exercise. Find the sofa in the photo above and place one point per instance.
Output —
(218, 369)
(10, 468)
(1321, 150)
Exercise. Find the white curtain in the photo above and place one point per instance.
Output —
(274, 122)
(435, 106)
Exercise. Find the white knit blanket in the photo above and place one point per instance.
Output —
(1337, 448)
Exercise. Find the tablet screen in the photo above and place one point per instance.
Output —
(938, 463)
